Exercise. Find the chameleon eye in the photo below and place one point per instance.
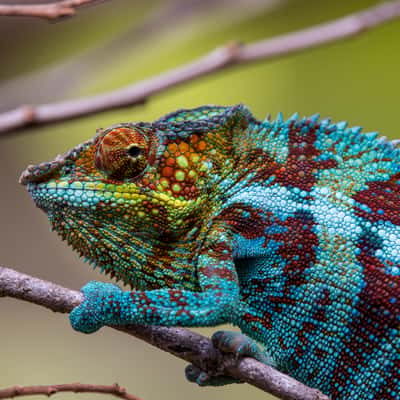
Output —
(122, 153)
(134, 151)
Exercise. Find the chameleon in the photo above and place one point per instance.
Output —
(286, 228)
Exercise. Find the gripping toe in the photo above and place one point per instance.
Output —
(240, 345)
(202, 378)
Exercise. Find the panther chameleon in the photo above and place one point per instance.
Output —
(288, 229)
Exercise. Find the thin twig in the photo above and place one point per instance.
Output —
(183, 343)
(50, 11)
(49, 390)
(223, 58)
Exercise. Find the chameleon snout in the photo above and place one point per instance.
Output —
(40, 172)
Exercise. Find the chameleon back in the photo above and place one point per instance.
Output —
(317, 230)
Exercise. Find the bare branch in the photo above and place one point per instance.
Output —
(182, 343)
(223, 58)
(49, 390)
(51, 11)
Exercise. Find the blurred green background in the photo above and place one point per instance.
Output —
(119, 42)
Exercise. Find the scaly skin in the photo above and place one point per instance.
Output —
(288, 229)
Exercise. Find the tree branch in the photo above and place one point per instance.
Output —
(49, 390)
(182, 343)
(220, 59)
(50, 11)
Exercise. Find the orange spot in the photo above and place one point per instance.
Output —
(167, 171)
(194, 139)
(183, 147)
(173, 148)
(170, 161)
(202, 145)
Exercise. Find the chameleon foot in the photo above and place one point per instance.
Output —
(94, 311)
(228, 342)
(240, 345)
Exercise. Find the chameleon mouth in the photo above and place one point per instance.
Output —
(61, 196)
(38, 195)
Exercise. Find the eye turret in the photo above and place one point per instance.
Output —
(122, 153)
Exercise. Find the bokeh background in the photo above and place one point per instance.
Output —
(119, 42)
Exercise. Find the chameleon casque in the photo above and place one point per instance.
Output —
(289, 229)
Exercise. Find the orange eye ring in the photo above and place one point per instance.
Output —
(122, 153)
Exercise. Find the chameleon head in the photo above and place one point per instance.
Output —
(108, 194)
(134, 185)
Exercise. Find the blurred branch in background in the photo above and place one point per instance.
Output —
(51, 11)
(68, 72)
(220, 59)
(182, 343)
(49, 390)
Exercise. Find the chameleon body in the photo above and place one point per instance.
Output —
(289, 229)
